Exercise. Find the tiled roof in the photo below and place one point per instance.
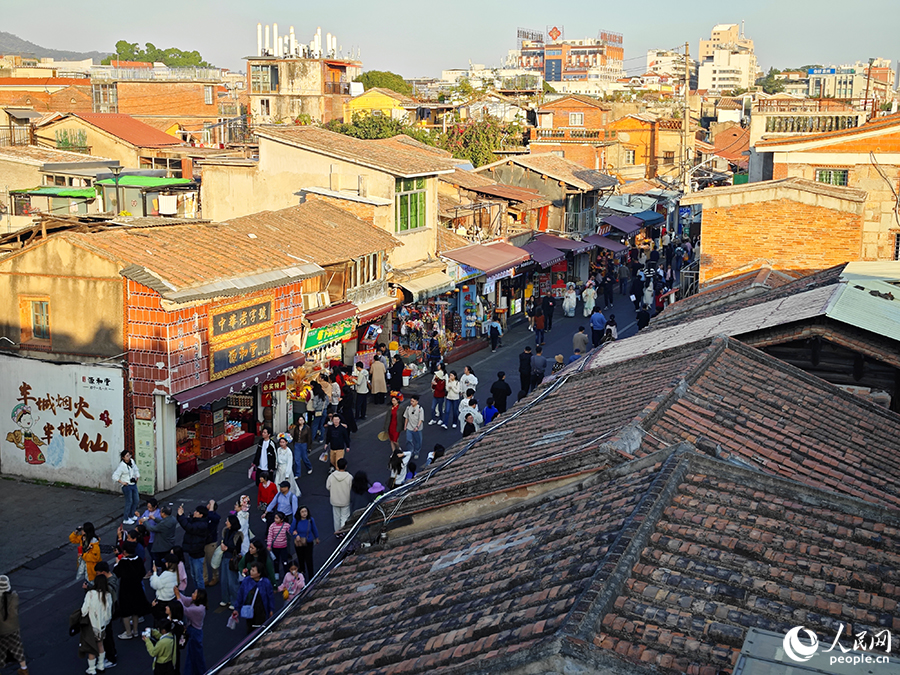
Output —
(467, 180)
(402, 98)
(404, 142)
(731, 143)
(801, 184)
(310, 234)
(663, 563)
(581, 98)
(565, 170)
(696, 309)
(128, 129)
(33, 154)
(394, 160)
(447, 240)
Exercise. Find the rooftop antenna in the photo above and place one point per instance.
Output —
(742, 29)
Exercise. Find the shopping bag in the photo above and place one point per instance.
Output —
(216, 560)
(323, 457)
(232, 622)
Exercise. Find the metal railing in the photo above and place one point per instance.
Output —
(144, 74)
(342, 88)
(690, 279)
(582, 221)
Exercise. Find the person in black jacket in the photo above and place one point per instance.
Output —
(264, 459)
(643, 317)
(501, 391)
(211, 578)
(525, 370)
(337, 440)
(196, 531)
(548, 304)
(396, 372)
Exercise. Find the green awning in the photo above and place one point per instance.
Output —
(146, 181)
(58, 191)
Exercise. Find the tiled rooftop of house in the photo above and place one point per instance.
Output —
(566, 170)
(128, 129)
(391, 158)
(663, 563)
(729, 399)
(38, 156)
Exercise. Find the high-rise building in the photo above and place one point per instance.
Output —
(727, 60)
(666, 61)
(560, 60)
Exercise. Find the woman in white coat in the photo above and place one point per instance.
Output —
(570, 299)
(467, 381)
(97, 607)
(589, 295)
(284, 463)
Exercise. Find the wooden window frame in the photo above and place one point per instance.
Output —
(26, 322)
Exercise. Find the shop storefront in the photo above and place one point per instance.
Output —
(373, 325)
(578, 257)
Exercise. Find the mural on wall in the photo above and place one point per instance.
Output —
(66, 417)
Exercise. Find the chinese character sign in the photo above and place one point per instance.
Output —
(62, 422)
(232, 358)
(233, 319)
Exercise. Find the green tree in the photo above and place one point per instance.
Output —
(173, 57)
(375, 126)
(547, 88)
(385, 79)
(770, 83)
(478, 140)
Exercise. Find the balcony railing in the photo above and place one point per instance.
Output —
(572, 134)
(582, 221)
(341, 88)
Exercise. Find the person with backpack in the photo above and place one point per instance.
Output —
(495, 330)
(256, 599)
(10, 637)
(538, 367)
(438, 394)
(432, 352)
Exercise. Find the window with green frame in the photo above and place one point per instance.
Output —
(409, 204)
(40, 320)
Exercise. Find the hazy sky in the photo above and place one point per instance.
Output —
(418, 39)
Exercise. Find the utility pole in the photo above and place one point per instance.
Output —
(686, 122)
(868, 81)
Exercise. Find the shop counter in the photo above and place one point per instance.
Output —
(242, 442)
(186, 468)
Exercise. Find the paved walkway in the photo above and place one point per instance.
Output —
(37, 519)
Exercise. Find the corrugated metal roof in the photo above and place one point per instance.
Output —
(869, 308)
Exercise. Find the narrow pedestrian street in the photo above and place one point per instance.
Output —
(45, 582)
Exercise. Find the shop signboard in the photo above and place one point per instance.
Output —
(459, 272)
(240, 335)
(63, 422)
(232, 358)
(316, 337)
(145, 455)
(278, 384)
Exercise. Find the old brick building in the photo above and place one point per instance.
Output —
(866, 158)
(573, 127)
(793, 224)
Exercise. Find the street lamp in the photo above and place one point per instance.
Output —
(116, 170)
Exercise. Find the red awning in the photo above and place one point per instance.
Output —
(605, 242)
(489, 258)
(235, 384)
(372, 310)
(324, 317)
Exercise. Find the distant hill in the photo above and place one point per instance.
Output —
(13, 44)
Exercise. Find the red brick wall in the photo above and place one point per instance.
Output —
(789, 234)
(165, 98)
(594, 117)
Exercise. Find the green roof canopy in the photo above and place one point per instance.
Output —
(146, 181)
(59, 191)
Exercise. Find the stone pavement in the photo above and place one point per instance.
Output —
(38, 519)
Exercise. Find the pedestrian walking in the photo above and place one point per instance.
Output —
(293, 582)
(126, 475)
(468, 380)
(265, 458)
(469, 427)
(284, 463)
(88, 551)
(196, 529)
(609, 283)
(10, 632)
(359, 491)
(438, 394)
(362, 390)
(306, 536)
(302, 435)
(643, 317)
(451, 405)
(501, 391)
(397, 465)
(161, 646)
(469, 406)
(539, 322)
(257, 594)
(413, 423)
(277, 542)
(525, 370)
(378, 381)
(612, 327)
(396, 373)
(559, 363)
(490, 410)
(194, 615)
(333, 388)
(257, 554)
(589, 296)
(580, 341)
(109, 637)
(598, 326)
(132, 602)
(624, 275)
(266, 491)
(495, 331)
(393, 422)
(548, 304)
(231, 544)
(347, 407)
(538, 367)
(433, 351)
(338, 486)
(337, 440)
(319, 401)
(97, 608)
(570, 300)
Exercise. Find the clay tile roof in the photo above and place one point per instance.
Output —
(467, 179)
(402, 98)
(581, 98)
(128, 129)
(565, 170)
(731, 143)
(404, 142)
(405, 162)
(305, 236)
(33, 154)
(447, 240)
(802, 184)
(662, 563)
